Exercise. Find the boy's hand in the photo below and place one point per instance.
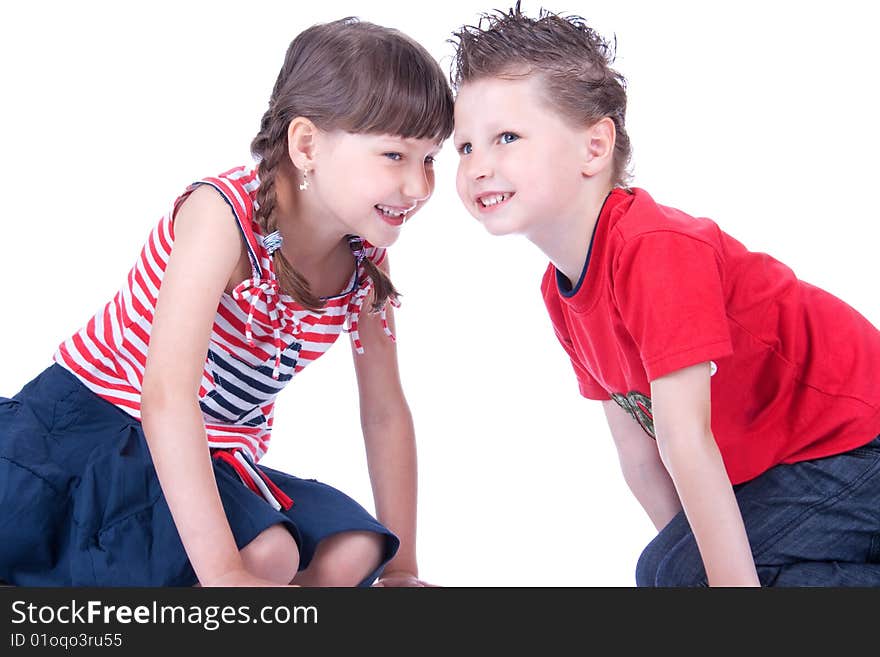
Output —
(401, 578)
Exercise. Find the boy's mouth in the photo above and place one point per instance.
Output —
(393, 214)
(489, 201)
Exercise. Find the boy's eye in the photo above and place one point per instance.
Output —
(393, 156)
(508, 137)
(430, 160)
(465, 149)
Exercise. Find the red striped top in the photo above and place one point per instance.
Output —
(259, 341)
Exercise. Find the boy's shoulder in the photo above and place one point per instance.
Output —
(641, 216)
(632, 227)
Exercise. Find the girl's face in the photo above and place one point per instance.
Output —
(520, 163)
(373, 184)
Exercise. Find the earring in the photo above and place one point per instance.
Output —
(304, 185)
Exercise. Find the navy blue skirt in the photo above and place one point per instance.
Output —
(80, 503)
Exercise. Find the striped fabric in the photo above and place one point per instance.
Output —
(260, 339)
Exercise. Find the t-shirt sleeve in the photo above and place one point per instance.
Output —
(670, 293)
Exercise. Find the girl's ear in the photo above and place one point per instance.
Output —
(599, 141)
(301, 142)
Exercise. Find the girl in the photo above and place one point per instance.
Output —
(743, 402)
(133, 459)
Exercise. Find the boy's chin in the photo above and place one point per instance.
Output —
(498, 227)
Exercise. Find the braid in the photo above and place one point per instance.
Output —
(291, 281)
(383, 288)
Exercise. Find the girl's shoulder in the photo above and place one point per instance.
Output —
(238, 188)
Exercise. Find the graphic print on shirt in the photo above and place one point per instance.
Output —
(241, 389)
(639, 407)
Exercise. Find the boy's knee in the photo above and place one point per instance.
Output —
(680, 566)
(646, 566)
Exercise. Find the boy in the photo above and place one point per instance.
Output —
(743, 402)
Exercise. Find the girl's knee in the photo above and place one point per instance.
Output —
(344, 559)
(272, 555)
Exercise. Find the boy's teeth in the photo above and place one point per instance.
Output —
(487, 201)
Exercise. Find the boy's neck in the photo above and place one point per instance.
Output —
(565, 240)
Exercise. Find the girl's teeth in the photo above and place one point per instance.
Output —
(388, 212)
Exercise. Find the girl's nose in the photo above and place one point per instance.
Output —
(417, 186)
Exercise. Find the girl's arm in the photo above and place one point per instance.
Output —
(681, 409)
(389, 438)
(206, 250)
(642, 468)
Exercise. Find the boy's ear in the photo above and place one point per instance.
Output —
(301, 142)
(599, 146)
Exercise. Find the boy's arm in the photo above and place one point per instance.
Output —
(642, 468)
(681, 410)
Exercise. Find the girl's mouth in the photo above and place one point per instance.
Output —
(392, 215)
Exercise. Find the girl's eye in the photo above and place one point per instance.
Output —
(508, 137)
(465, 149)
(430, 160)
(393, 156)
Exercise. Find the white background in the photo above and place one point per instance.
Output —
(760, 115)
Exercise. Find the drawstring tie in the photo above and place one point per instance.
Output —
(254, 478)
(353, 312)
(254, 288)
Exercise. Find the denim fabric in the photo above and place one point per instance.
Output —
(81, 505)
(813, 523)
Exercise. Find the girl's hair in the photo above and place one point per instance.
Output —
(573, 61)
(358, 77)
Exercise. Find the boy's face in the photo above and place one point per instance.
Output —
(520, 162)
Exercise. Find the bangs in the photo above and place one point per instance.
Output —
(395, 88)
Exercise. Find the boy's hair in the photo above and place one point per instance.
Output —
(358, 77)
(572, 60)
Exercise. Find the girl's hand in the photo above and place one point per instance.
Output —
(401, 578)
(241, 578)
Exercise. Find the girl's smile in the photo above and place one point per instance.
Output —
(394, 215)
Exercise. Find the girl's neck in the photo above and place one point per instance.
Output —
(310, 238)
(314, 243)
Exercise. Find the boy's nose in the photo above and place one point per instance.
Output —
(479, 167)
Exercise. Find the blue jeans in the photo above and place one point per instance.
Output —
(813, 523)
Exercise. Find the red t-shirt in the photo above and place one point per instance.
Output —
(796, 370)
